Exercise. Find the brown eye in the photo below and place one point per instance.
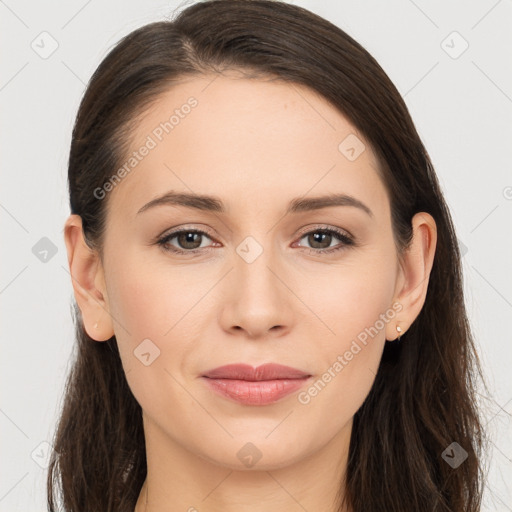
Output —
(188, 241)
(320, 240)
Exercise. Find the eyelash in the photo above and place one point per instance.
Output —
(346, 240)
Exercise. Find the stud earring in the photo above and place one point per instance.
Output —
(96, 325)
(399, 329)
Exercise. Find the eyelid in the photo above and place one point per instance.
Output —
(179, 229)
(325, 227)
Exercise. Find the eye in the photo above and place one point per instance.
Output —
(188, 240)
(321, 239)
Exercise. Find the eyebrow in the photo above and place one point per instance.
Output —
(214, 204)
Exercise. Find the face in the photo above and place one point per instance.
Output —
(260, 275)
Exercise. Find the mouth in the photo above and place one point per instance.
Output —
(264, 385)
(269, 371)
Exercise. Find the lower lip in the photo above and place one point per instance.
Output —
(255, 392)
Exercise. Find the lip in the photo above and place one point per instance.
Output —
(268, 371)
(263, 385)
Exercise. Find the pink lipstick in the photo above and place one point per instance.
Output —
(263, 385)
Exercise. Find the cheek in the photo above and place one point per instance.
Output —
(150, 300)
(356, 308)
(351, 296)
(151, 309)
(158, 302)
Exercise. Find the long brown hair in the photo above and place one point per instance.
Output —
(424, 395)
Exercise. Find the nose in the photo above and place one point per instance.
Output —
(257, 299)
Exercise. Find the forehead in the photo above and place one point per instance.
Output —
(242, 138)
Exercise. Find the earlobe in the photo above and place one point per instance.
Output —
(415, 268)
(88, 281)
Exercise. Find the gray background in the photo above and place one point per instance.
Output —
(461, 103)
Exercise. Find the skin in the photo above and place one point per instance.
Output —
(255, 144)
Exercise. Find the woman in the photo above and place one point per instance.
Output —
(270, 311)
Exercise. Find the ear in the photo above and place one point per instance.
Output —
(414, 273)
(88, 281)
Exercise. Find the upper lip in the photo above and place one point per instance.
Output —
(268, 371)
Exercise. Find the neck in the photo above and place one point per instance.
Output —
(179, 479)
